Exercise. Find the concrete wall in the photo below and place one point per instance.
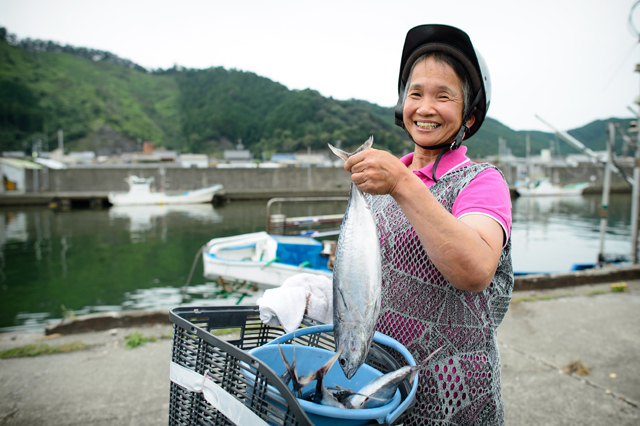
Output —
(565, 175)
(250, 180)
(179, 179)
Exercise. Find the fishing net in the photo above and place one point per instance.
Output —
(420, 309)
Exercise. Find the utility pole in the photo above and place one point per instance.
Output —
(635, 193)
(528, 146)
(309, 167)
(606, 189)
(60, 143)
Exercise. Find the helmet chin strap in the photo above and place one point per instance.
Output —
(443, 147)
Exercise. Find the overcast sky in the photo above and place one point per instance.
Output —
(569, 61)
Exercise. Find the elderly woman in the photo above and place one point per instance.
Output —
(444, 225)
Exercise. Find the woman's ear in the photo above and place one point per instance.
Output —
(472, 119)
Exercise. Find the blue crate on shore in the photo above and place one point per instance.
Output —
(218, 382)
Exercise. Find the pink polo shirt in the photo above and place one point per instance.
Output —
(487, 194)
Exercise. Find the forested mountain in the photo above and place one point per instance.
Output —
(108, 105)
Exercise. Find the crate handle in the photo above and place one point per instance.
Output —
(220, 399)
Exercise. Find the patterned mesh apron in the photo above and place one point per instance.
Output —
(420, 309)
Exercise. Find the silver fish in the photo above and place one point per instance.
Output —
(381, 389)
(299, 383)
(357, 278)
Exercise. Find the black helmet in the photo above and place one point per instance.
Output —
(455, 42)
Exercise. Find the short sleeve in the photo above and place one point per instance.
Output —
(487, 194)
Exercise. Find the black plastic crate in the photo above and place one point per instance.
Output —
(247, 379)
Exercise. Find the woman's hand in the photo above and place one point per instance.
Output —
(376, 172)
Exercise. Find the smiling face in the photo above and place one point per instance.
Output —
(433, 106)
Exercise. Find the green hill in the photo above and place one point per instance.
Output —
(107, 104)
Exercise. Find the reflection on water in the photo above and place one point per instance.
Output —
(145, 218)
(139, 257)
(552, 234)
(208, 294)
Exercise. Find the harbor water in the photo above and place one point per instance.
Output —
(59, 263)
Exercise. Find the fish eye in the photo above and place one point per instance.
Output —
(343, 362)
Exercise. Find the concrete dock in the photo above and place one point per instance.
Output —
(544, 332)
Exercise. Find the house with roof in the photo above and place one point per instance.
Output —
(13, 172)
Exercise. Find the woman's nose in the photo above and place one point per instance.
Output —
(426, 107)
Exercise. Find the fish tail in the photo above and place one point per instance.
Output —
(322, 395)
(416, 368)
(344, 154)
(290, 370)
(340, 153)
(426, 360)
(320, 373)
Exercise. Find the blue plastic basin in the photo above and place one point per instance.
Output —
(311, 358)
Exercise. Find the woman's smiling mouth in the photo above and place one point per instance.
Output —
(427, 125)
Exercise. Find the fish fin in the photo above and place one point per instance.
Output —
(366, 145)
(285, 377)
(340, 153)
(415, 369)
(319, 374)
(290, 373)
(327, 398)
(344, 301)
(424, 363)
(344, 154)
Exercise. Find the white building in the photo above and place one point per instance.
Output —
(200, 161)
(13, 172)
(237, 156)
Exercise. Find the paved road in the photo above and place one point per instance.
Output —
(110, 385)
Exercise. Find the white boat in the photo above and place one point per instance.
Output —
(140, 193)
(263, 259)
(543, 187)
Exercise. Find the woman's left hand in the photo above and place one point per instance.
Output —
(376, 172)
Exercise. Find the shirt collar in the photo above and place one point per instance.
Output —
(450, 161)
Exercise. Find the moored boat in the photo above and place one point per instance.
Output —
(140, 193)
(264, 259)
(544, 187)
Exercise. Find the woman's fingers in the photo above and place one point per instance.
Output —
(373, 171)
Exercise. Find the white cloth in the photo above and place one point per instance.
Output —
(285, 305)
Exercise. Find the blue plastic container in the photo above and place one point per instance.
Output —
(311, 358)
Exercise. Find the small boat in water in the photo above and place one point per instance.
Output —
(543, 187)
(264, 259)
(140, 193)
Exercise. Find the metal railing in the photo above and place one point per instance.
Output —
(297, 221)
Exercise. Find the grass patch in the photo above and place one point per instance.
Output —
(41, 349)
(67, 313)
(613, 288)
(618, 287)
(135, 339)
(224, 331)
(597, 292)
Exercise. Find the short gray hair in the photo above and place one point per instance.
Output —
(460, 71)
